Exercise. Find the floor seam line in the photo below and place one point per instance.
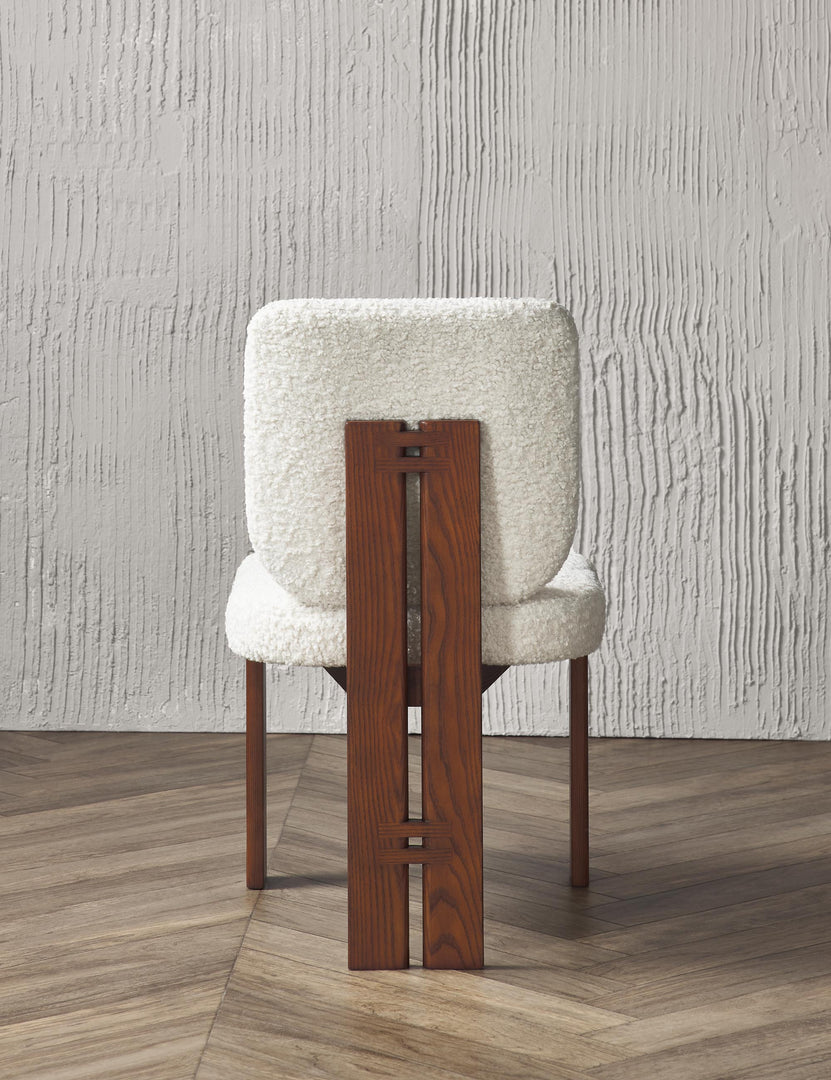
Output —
(232, 968)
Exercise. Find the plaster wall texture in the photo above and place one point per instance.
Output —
(661, 170)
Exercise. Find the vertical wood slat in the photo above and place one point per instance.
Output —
(579, 769)
(376, 618)
(451, 652)
(255, 775)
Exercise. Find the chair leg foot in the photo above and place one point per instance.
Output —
(579, 747)
(255, 775)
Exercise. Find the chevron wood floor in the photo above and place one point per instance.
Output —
(130, 947)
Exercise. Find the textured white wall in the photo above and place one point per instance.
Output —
(661, 169)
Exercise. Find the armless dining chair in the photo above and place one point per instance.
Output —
(418, 592)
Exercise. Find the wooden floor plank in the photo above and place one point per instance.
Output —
(674, 949)
(673, 822)
(725, 891)
(122, 901)
(722, 982)
(784, 1002)
(711, 845)
(131, 948)
(270, 1006)
(723, 930)
(678, 875)
(155, 1037)
(721, 1057)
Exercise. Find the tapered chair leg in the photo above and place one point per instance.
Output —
(579, 747)
(255, 775)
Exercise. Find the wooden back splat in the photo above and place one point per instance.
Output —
(379, 828)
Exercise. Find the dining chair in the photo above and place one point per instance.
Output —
(411, 487)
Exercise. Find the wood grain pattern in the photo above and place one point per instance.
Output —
(131, 948)
(256, 769)
(562, 985)
(378, 689)
(659, 169)
(451, 658)
(376, 673)
(122, 903)
(579, 770)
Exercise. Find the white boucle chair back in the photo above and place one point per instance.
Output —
(311, 365)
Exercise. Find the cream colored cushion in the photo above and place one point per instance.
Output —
(310, 365)
(564, 619)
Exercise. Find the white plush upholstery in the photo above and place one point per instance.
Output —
(562, 620)
(310, 365)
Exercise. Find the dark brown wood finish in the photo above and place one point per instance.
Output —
(452, 693)
(490, 673)
(255, 775)
(338, 674)
(448, 686)
(376, 620)
(579, 760)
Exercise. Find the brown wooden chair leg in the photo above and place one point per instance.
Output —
(579, 746)
(255, 775)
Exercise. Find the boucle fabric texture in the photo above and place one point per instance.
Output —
(560, 621)
(311, 365)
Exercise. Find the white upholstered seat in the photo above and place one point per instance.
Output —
(311, 365)
(562, 620)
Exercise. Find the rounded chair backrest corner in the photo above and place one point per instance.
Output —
(311, 365)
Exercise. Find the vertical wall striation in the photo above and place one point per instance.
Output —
(659, 169)
(697, 269)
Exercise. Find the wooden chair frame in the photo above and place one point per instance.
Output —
(447, 685)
